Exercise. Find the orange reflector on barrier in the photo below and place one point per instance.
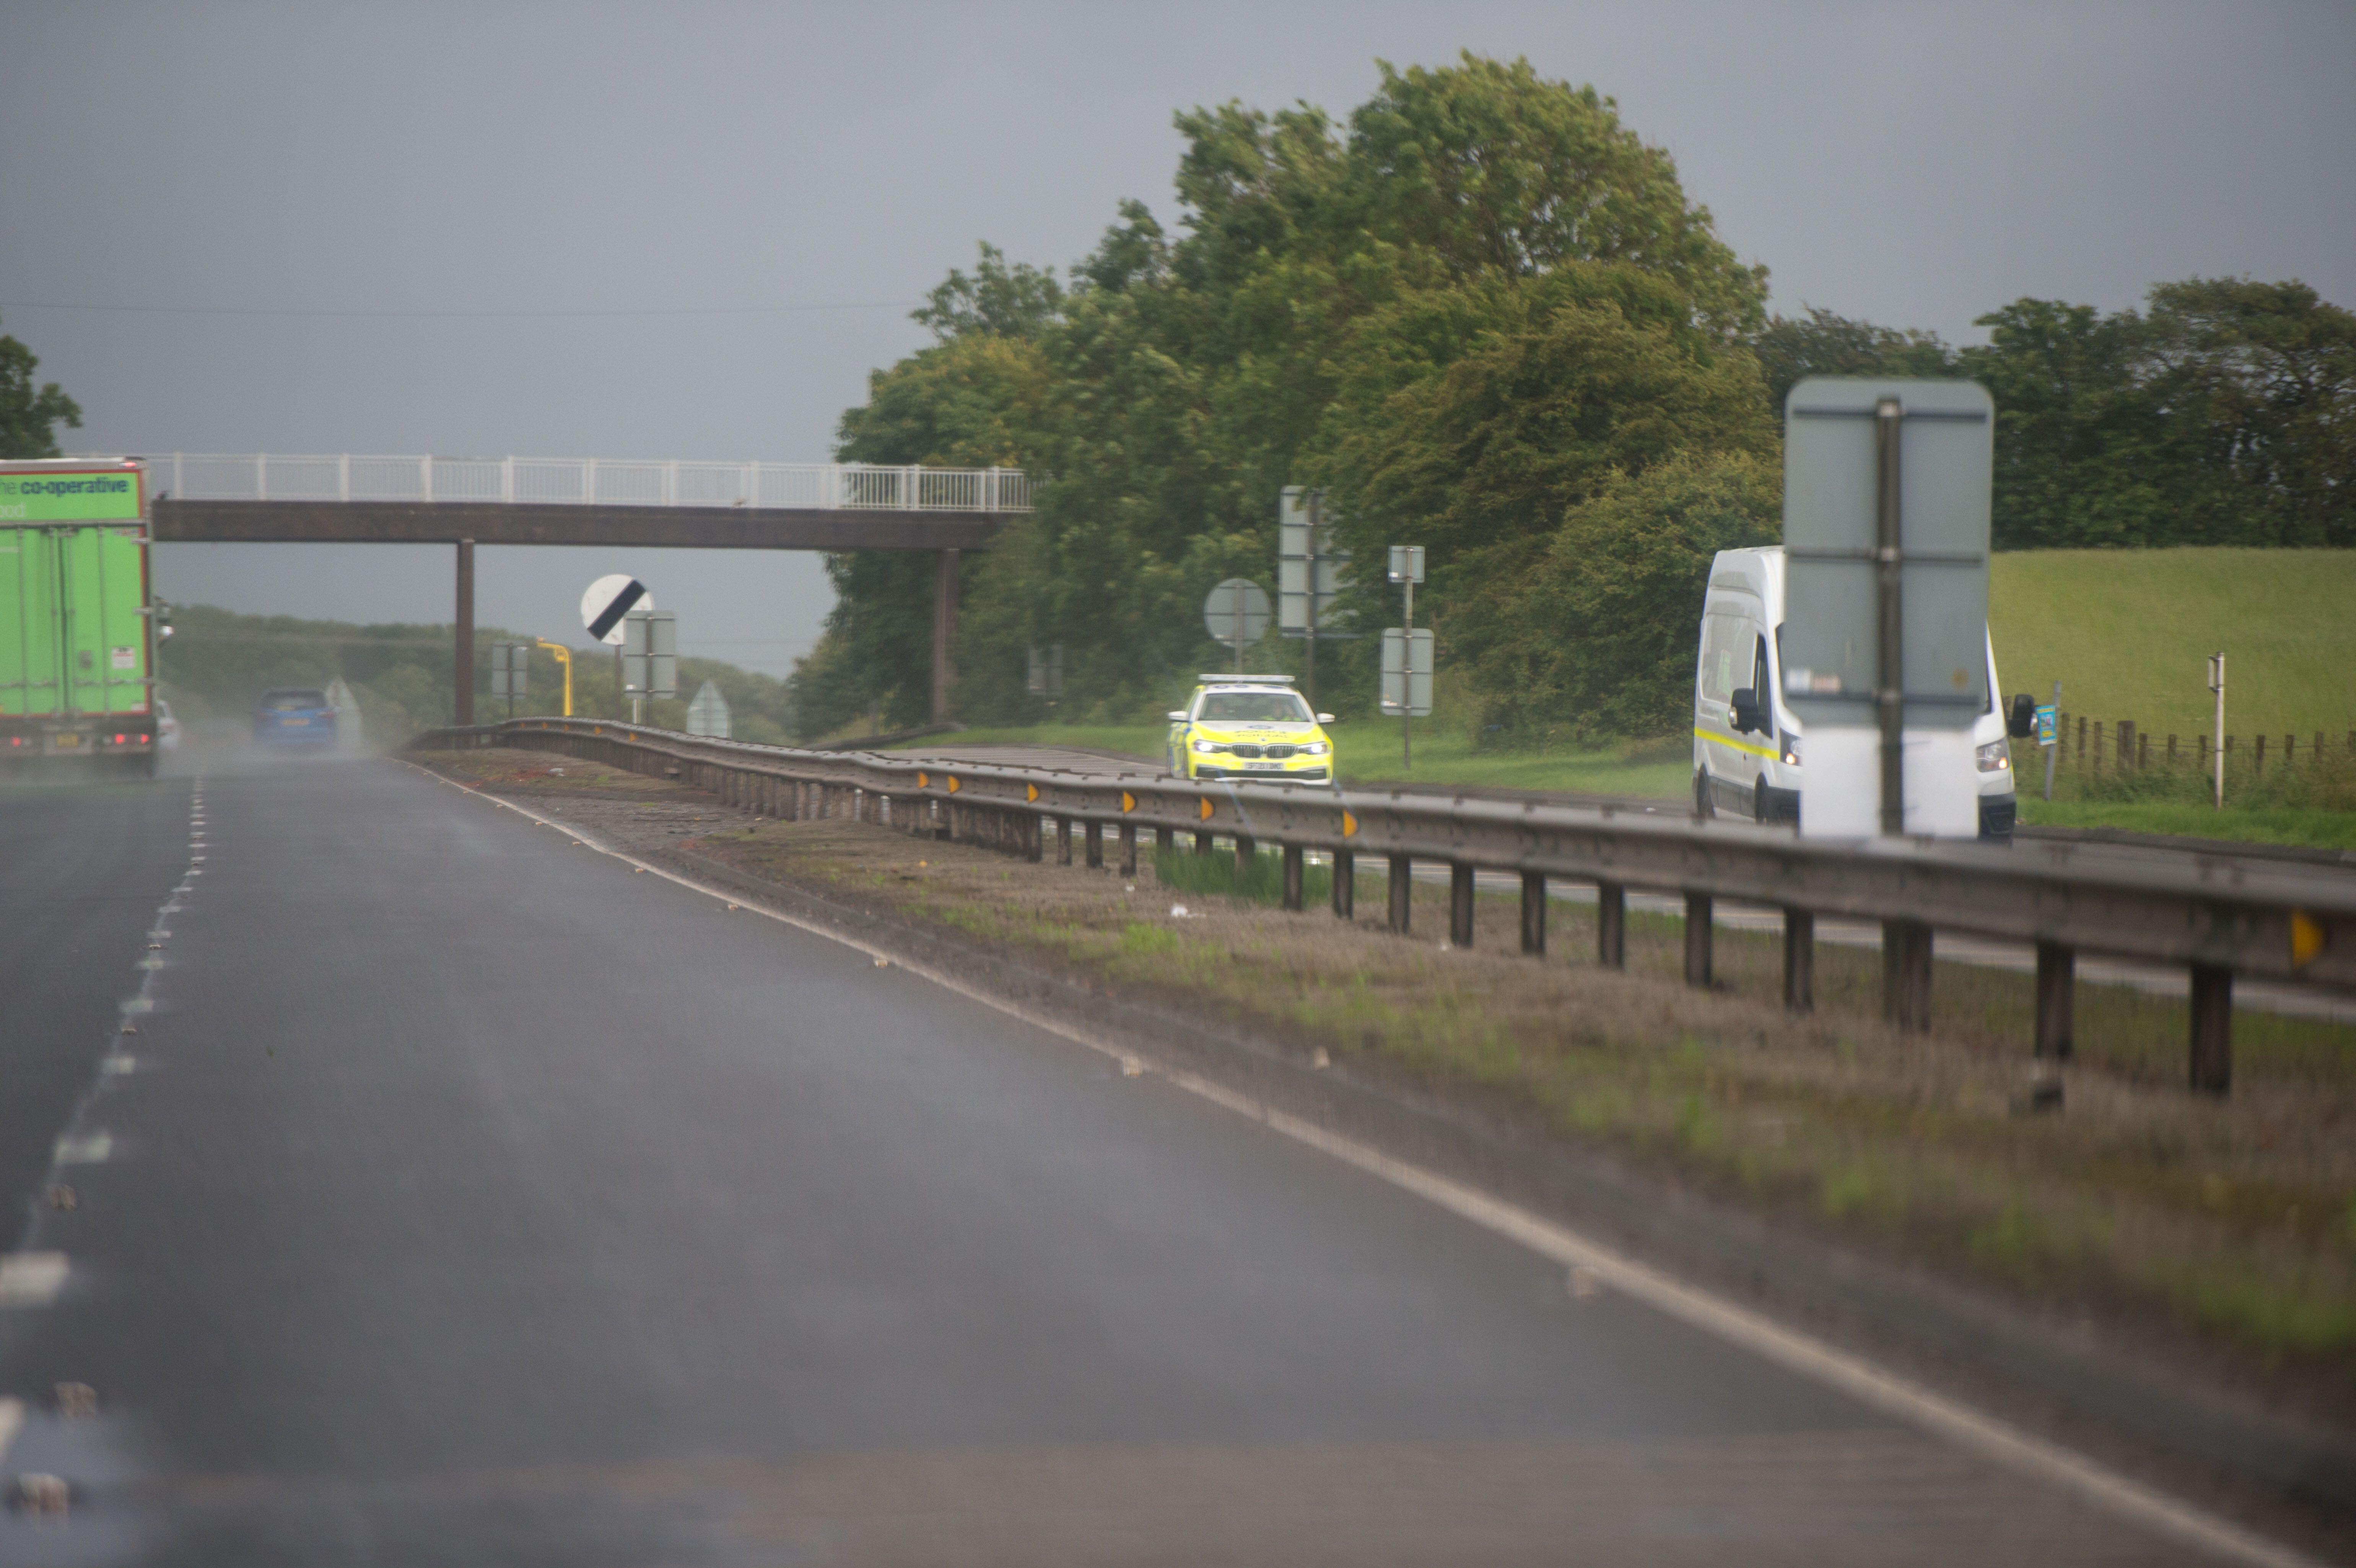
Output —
(2306, 939)
(1029, 791)
(1349, 825)
(923, 781)
(1206, 811)
(1127, 801)
(953, 783)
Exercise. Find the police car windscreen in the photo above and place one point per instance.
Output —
(1264, 707)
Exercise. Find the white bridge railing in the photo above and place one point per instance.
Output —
(587, 481)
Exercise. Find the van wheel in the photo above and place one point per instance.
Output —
(1704, 806)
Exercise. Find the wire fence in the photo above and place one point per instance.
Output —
(587, 481)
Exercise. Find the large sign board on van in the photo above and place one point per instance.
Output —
(1886, 488)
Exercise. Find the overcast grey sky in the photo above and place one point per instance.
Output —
(211, 164)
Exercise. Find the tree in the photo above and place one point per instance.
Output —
(1790, 349)
(1183, 378)
(29, 414)
(1594, 639)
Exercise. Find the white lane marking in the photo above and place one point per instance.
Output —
(84, 1148)
(119, 1065)
(1801, 1353)
(12, 1421)
(31, 1279)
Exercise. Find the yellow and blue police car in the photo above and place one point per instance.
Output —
(1250, 727)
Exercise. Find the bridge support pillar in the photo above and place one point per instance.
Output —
(463, 637)
(944, 608)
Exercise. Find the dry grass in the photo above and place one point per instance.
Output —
(2235, 1219)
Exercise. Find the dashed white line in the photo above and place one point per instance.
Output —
(31, 1279)
(83, 1148)
(1809, 1356)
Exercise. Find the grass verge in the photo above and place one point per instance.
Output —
(517, 772)
(2236, 1223)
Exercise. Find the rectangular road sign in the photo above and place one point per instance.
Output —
(651, 653)
(2046, 722)
(509, 664)
(1309, 567)
(1886, 487)
(1407, 673)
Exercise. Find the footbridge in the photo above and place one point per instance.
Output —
(668, 504)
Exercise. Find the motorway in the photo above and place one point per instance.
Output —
(463, 1196)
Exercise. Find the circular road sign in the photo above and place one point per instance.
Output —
(609, 600)
(1236, 612)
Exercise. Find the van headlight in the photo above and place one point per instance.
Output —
(1208, 747)
(1790, 745)
(1994, 757)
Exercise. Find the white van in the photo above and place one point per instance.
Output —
(1746, 741)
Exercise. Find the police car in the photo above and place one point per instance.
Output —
(1250, 727)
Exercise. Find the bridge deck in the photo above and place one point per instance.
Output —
(178, 521)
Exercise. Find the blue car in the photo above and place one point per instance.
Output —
(295, 716)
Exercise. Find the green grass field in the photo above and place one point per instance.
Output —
(2128, 635)
(1368, 752)
(2127, 632)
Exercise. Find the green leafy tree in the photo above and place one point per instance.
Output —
(1181, 378)
(29, 415)
(1793, 348)
(1595, 638)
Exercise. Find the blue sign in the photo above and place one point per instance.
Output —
(2046, 723)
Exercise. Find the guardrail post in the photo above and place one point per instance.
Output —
(1799, 960)
(1201, 842)
(1402, 893)
(1246, 851)
(1165, 839)
(1460, 904)
(1093, 834)
(1611, 926)
(1062, 841)
(1345, 884)
(2212, 1029)
(2057, 987)
(1534, 912)
(1699, 932)
(1906, 976)
(1034, 847)
(1293, 876)
(1129, 848)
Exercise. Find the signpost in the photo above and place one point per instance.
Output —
(650, 657)
(1235, 613)
(708, 714)
(1047, 673)
(1310, 574)
(2217, 685)
(2049, 727)
(509, 663)
(602, 608)
(1886, 487)
(1406, 656)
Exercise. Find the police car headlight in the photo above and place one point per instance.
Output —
(1208, 746)
(1994, 757)
(1315, 748)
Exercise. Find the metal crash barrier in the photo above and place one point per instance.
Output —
(2216, 916)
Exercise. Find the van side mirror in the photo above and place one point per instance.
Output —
(1176, 716)
(1746, 711)
(1327, 719)
(2021, 723)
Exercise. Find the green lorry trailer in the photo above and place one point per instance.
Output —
(77, 623)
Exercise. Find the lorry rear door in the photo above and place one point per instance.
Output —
(30, 650)
(103, 584)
